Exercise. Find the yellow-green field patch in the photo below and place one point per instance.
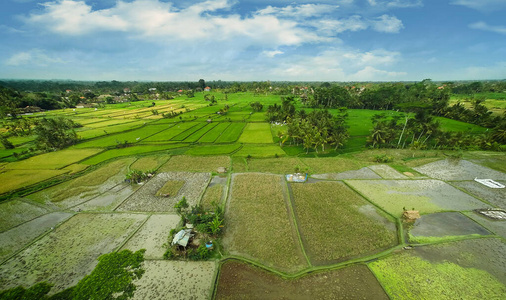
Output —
(86, 186)
(53, 160)
(170, 188)
(109, 154)
(16, 179)
(195, 163)
(257, 133)
(148, 163)
(260, 151)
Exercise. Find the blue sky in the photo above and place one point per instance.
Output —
(339, 40)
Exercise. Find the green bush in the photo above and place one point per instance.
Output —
(383, 158)
(36, 292)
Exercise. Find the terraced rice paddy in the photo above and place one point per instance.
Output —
(215, 132)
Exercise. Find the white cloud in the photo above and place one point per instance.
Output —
(338, 64)
(34, 57)
(272, 53)
(300, 11)
(372, 74)
(388, 24)
(396, 3)
(329, 26)
(384, 23)
(481, 5)
(160, 21)
(486, 27)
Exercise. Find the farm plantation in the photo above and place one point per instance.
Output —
(339, 235)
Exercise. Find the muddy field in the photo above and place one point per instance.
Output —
(18, 237)
(446, 224)
(496, 197)
(13, 213)
(153, 236)
(387, 172)
(427, 196)
(363, 173)
(458, 170)
(176, 280)
(495, 226)
(70, 251)
(146, 200)
(242, 281)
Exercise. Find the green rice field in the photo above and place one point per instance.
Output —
(339, 235)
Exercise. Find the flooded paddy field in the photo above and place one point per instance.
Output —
(18, 237)
(446, 224)
(496, 197)
(458, 170)
(472, 269)
(70, 251)
(426, 196)
(15, 212)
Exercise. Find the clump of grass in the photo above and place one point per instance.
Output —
(170, 188)
(437, 239)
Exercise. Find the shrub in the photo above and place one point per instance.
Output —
(383, 158)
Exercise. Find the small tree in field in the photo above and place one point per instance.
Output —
(55, 134)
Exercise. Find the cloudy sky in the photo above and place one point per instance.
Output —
(338, 40)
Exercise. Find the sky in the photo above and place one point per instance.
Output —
(235, 40)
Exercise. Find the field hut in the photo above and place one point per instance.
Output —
(411, 215)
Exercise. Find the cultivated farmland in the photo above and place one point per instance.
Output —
(257, 211)
(336, 223)
(338, 235)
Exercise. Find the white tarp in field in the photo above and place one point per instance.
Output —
(182, 237)
(490, 183)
